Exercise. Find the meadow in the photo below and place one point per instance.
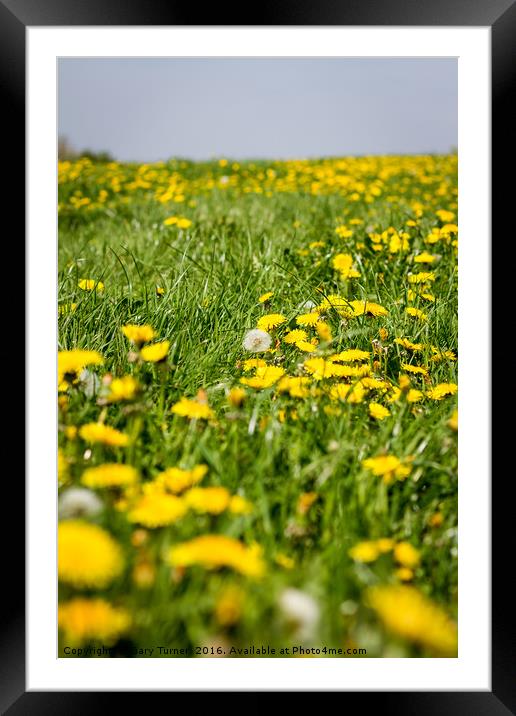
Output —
(257, 387)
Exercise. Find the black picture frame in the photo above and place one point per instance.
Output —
(500, 16)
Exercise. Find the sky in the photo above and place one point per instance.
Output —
(263, 108)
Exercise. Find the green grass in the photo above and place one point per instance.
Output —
(273, 448)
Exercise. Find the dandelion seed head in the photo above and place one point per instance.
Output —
(257, 341)
(78, 502)
(301, 610)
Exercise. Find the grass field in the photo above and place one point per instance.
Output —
(291, 487)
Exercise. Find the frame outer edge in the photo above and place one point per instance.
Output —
(12, 82)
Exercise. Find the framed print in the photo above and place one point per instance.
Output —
(261, 254)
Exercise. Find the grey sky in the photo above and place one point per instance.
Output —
(151, 109)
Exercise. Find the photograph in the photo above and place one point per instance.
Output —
(257, 357)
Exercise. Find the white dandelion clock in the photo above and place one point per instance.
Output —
(79, 502)
(257, 341)
(89, 383)
(301, 611)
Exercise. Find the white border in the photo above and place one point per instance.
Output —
(471, 670)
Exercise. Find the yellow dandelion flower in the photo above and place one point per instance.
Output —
(449, 228)
(348, 371)
(453, 422)
(445, 216)
(404, 382)
(350, 355)
(177, 480)
(361, 308)
(296, 387)
(252, 363)
(348, 393)
(157, 510)
(366, 551)
(389, 467)
(323, 330)
(406, 612)
(156, 352)
(376, 240)
(377, 411)
(228, 608)
(424, 258)
(305, 501)
(336, 302)
(295, 336)
(180, 221)
(428, 297)
(138, 334)
(193, 408)
(343, 263)
(398, 242)
(125, 388)
(441, 390)
(434, 236)
(216, 551)
(416, 313)
(236, 397)
(421, 277)
(395, 394)
(239, 505)
(86, 620)
(307, 319)
(375, 384)
(212, 500)
(332, 410)
(404, 574)
(406, 554)
(306, 346)
(144, 574)
(405, 343)
(183, 223)
(90, 284)
(440, 355)
(265, 377)
(436, 519)
(414, 396)
(66, 309)
(284, 561)
(385, 544)
(100, 433)
(270, 321)
(415, 369)
(344, 232)
(88, 557)
(319, 368)
(71, 363)
(265, 297)
(110, 475)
